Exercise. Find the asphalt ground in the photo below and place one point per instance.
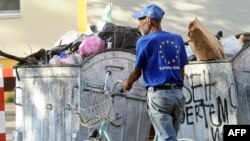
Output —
(10, 121)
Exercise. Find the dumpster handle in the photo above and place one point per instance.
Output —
(230, 97)
(112, 67)
(15, 95)
(17, 75)
(68, 105)
(117, 117)
(48, 106)
(72, 95)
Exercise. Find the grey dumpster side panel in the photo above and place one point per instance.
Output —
(241, 68)
(211, 101)
(42, 95)
(132, 121)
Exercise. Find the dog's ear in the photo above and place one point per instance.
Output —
(219, 35)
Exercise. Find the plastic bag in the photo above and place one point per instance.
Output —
(91, 44)
(54, 60)
(68, 59)
(231, 45)
(121, 36)
(190, 53)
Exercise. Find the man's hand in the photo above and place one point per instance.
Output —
(134, 75)
(126, 85)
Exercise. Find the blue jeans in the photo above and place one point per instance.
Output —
(165, 108)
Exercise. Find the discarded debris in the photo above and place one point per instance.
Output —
(32, 59)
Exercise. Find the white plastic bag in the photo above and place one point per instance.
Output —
(54, 60)
(189, 51)
(231, 45)
(69, 59)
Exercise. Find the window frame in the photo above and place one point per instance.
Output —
(11, 13)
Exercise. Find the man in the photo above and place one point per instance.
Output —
(160, 57)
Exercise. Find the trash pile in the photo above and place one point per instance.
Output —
(73, 47)
(204, 46)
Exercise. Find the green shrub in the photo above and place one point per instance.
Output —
(9, 96)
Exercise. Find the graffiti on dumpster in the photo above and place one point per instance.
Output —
(208, 101)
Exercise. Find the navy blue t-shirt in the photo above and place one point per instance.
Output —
(160, 55)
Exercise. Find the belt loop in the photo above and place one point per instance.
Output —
(172, 88)
(153, 89)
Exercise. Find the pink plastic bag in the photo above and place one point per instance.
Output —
(91, 44)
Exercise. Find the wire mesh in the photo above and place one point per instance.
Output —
(95, 108)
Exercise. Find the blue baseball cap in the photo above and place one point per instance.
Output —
(152, 11)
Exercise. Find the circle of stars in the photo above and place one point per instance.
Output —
(170, 44)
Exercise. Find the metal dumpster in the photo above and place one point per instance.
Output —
(44, 96)
(131, 118)
(213, 91)
(241, 69)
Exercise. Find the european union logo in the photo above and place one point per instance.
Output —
(163, 47)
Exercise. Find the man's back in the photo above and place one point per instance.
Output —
(161, 55)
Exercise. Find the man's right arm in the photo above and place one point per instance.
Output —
(134, 75)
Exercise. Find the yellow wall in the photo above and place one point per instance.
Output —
(82, 15)
(7, 63)
(41, 25)
(216, 15)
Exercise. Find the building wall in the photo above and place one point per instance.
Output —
(229, 16)
(40, 25)
(7, 63)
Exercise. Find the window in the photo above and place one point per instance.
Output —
(9, 8)
(9, 83)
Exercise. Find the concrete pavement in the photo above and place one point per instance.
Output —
(10, 120)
